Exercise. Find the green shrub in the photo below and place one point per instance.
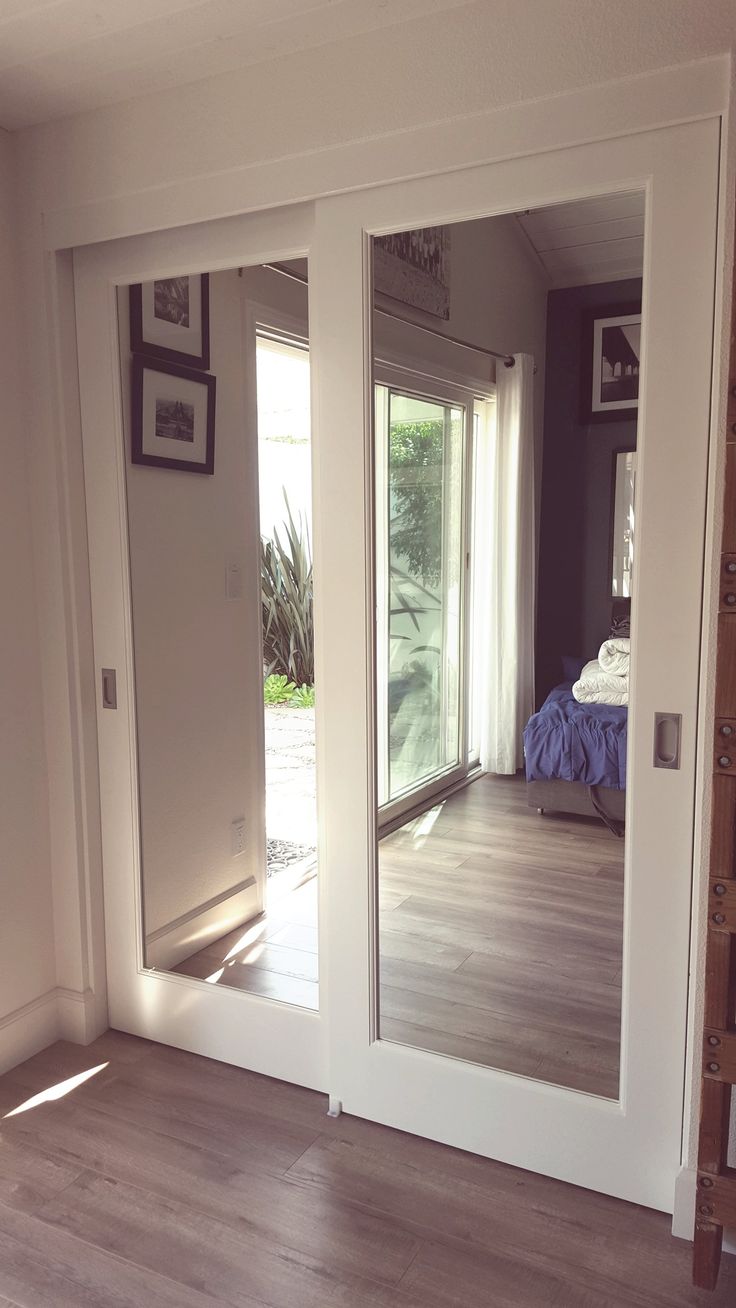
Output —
(286, 597)
(303, 697)
(278, 690)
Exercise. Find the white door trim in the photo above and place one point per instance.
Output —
(659, 98)
(629, 106)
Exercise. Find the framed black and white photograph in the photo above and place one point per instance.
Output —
(414, 268)
(173, 416)
(170, 319)
(612, 350)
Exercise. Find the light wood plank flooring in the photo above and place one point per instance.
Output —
(169, 1181)
(276, 955)
(501, 937)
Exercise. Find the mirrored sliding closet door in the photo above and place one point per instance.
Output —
(209, 702)
(512, 489)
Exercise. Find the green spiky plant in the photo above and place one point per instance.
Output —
(286, 597)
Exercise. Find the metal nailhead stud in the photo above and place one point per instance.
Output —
(719, 918)
(713, 1041)
(713, 1067)
(731, 565)
(706, 1182)
(706, 1210)
(730, 598)
(724, 761)
(726, 729)
(719, 889)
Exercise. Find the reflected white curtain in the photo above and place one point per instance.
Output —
(508, 560)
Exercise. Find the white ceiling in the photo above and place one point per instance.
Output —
(59, 57)
(596, 240)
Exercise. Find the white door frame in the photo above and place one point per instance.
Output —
(277, 1039)
(629, 1148)
(58, 216)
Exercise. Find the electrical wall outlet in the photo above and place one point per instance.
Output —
(237, 837)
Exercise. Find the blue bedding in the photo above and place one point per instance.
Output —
(576, 742)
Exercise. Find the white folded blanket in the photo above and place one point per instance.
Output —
(599, 687)
(614, 655)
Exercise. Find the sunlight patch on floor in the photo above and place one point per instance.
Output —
(57, 1091)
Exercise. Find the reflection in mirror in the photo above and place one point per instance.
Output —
(215, 384)
(622, 544)
(502, 663)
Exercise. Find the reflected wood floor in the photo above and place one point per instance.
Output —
(274, 955)
(172, 1181)
(501, 937)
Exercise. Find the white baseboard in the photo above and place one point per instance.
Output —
(28, 1029)
(683, 1217)
(82, 1015)
(201, 926)
(59, 1014)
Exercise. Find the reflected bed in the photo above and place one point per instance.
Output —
(575, 756)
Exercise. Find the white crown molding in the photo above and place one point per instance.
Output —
(637, 104)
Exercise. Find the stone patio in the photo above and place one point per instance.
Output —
(291, 806)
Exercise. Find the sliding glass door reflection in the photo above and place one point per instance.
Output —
(420, 556)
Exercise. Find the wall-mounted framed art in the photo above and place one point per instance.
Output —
(414, 268)
(172, 416)
(611, 353)
(170, 319)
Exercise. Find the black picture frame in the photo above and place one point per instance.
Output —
(588, 414)
(140, 345)
(139, 453)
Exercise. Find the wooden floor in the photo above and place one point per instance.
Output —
(169, 1181)
(276, 955)
(501, 937)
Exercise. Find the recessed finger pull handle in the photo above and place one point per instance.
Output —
(109, 688)
(667, 730)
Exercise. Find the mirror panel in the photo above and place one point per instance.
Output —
(502, 665)
(215, 384)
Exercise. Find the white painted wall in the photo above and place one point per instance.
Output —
(197, 663)
(27, 958)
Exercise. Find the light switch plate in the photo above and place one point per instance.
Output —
(237, 837)
(233, 579)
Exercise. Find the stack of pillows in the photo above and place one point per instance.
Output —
(605, 680)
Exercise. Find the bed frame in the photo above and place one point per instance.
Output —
(575, 797)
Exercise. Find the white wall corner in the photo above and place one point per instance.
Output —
(58, 1014)
(82, 1015)
(28, 1029)
(683, 1217)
